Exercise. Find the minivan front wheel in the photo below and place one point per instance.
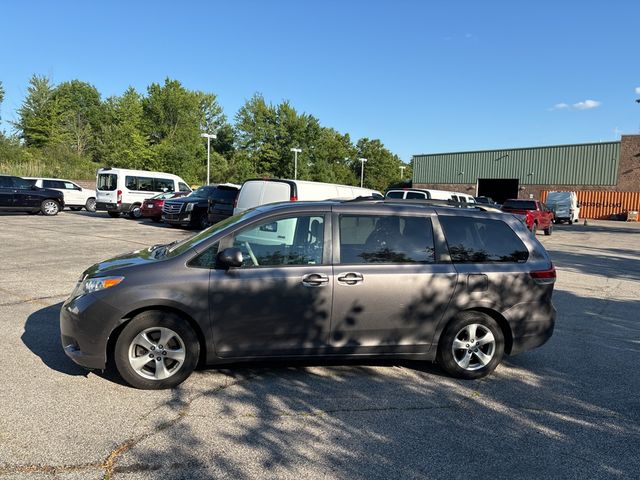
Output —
(156, 350)
(471, 346)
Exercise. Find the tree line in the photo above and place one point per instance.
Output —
(69, 130)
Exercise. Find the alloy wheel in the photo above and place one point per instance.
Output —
(157, 353)
(473, 347)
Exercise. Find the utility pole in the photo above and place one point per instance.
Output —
(402, 171)
(362, 162)
(295, 151)
(208, 136)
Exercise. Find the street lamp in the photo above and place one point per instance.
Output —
(208, 136)
(402, 172)
(362, 162)
(295, 151)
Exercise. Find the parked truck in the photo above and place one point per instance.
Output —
(535, 214)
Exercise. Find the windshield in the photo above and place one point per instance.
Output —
(202, 192)
(181, 247)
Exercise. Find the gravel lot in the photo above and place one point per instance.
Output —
(570, 409)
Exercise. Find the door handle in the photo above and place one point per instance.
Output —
(315, 280)
(351, 278)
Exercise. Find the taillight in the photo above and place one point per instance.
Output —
(544, 277)
(293, 198)
(119, 198)
(235, 202)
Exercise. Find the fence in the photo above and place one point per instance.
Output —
(605, 205)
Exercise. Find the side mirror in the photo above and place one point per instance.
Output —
(35, 187)
(230, 257)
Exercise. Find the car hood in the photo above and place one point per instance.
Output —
(128, 260)
(186, 200)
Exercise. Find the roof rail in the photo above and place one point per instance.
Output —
(443, 203)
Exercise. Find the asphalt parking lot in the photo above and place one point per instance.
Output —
(570, 409)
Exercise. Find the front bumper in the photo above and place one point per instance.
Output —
(177, 218)
(85, 326)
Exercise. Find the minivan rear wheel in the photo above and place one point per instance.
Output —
(156, 350)
(471, 346)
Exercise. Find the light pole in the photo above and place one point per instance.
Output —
(295, 151)
(362, 162)
(208, 136)
(402, 172)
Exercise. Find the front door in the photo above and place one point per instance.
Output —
(279, 301)
(389, 291)
(24, 194)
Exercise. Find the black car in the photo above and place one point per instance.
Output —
(20, 195)
(203, 207)
(363, 278)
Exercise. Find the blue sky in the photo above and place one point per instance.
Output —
(423, 76)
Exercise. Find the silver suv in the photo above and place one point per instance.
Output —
(370, 278)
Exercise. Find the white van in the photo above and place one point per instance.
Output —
(429, 194)
(75, 196)
(271, 190)
(123, 191)
(564, 205)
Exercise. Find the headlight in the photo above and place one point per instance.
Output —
(189, 207)
(90, 285)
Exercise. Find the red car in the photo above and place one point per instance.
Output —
(152, 207)
(534, 213)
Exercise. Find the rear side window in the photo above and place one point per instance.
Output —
(482, 240)
(395, 194)
(163, 185)
(416, 195)
(142, 184)
(386, 239)
(225, 195)
(107, 182)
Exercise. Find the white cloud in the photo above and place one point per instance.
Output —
(638, 90)
(586, 105)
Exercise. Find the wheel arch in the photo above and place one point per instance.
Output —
(113, 337)
(502, 323)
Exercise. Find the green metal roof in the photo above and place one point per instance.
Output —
(582, 164)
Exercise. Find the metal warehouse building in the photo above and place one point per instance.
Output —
(526, 172)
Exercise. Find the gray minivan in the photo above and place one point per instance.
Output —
(365, 278)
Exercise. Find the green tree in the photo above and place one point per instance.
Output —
(81, 115)
(382, 167)
(332, 152)
(174, 118)
(122, 141)
(39, 115)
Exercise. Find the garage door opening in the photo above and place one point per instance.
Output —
(500, 189)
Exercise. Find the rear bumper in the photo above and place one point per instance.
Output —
(532, 325)
(112, 207)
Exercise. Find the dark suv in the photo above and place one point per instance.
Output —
(201, 208)
(365, 278)
(20, 195)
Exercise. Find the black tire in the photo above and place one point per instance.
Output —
(90, 205)
(456, 331)
(152, 322)
(548, 230)
(203, 221)
(75, 209)
(49, 207)
(135, 212)
(114, 214)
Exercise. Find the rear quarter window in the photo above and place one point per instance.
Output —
(482, 240)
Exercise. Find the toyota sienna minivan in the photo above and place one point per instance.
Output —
(365, 278)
